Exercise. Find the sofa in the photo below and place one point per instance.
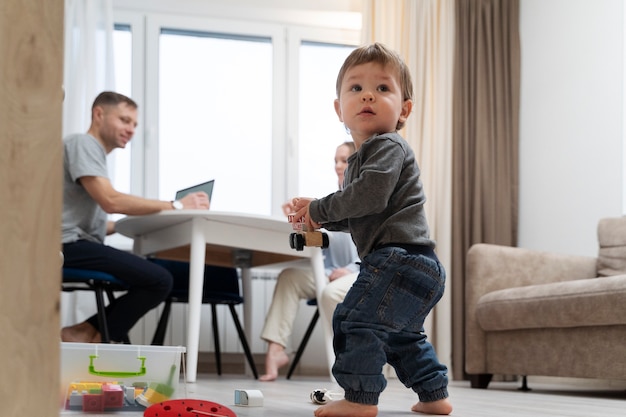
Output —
(538, 313)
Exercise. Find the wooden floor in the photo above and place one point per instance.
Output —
(290, 398)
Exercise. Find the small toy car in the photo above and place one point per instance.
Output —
(302, 237)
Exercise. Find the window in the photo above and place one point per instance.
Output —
(319, 131)
(215, 117)
(247, 104)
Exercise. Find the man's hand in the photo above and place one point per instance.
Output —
(198, 200)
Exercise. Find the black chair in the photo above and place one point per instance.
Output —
(75, 279)
(305, 338)
(221, 286)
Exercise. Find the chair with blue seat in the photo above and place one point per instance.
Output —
(221, 286)
(305, 338)
(75, 279)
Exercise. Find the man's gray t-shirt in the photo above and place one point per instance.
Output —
(83, 218)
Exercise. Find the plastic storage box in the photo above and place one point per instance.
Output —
(111, 377)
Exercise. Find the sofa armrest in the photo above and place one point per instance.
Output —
(494, 267)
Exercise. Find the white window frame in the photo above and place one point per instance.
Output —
(287, 31)
(297, 35)
(136, 22)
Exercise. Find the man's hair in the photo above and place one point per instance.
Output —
(380, 54)
(110, 98)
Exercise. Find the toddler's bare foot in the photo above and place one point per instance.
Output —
(439, 407)
(80, 333)
(345, 408)
(274, 360)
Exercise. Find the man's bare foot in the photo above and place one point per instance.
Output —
(275, 358)
(97, 338)
(80, 333)
(345, 408)
(439, 407)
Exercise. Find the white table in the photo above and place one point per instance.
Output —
(222, 239)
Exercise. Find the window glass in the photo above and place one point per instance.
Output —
(215, 117)
(320, 131)
(247, 104)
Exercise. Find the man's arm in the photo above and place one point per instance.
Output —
(113, 201)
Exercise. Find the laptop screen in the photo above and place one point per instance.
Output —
(207, 187)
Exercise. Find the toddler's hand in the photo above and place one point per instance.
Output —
(288, 208)
(301, 210)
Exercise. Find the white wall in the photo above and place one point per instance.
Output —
(571, 129)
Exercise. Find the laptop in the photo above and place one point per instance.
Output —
(207, 187)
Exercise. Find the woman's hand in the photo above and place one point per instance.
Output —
(338, 273)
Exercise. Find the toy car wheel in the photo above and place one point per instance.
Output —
(292, 241)
(325, 241)
(299, 242)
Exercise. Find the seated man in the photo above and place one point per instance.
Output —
(88, 196)
(295, 284)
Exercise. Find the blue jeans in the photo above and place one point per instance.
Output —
(381, 321)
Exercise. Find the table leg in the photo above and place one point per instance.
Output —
(321, 280)
(196, 282)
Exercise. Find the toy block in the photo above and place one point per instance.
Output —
(93, 402)
(113, 396)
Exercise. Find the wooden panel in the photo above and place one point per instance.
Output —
(224, 256)
(31, 99)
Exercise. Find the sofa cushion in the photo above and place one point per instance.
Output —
(578, 303)
(612, 242)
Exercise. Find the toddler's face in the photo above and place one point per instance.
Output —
(371, 100)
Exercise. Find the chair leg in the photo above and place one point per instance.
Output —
(216, 340)
(102, 318)
(244, 340)
(159, 333)
(303, 343)
(111, 298)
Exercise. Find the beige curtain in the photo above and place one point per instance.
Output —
(485, 146)
(88, 70)
(422, 31)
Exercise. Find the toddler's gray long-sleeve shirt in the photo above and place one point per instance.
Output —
(383, 197)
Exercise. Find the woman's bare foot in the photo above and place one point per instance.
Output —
(275, 358)
(345, 408)
(80, 333)
(439, 407)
